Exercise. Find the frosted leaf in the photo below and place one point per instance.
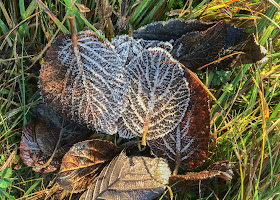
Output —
(85, 84)
(126, 47)
(136, 177)
(188, 143)
(168, 46)
(123, 131)
(158, 95)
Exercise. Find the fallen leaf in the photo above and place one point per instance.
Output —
(134, 178)
(82, 162)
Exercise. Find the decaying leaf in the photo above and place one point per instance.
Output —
(31, 154)
(135, 177)
(45, 141)
(221, 170)
(82, 162)
(158, 94)
(187, 145)
(85, 82)
(197, 43)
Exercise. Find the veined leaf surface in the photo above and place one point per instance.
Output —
(85, 82)
(81, 163)
(158, 95)
(187, 145)
(136, 177)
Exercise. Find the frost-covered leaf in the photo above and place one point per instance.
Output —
(81, 163)
(197, 43)
(158, 95)
(31, 154)
(187, 144)
(221, 170)
(86, 83)
(137, 178)
(127, 47)
(50, 136)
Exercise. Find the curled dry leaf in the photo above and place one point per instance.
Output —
(198, 43)
(81, 163)
(31, 154)
(221, 170)
(158, 94)
(134, 178)
(45, 141)
(187, 145)
(85, 82)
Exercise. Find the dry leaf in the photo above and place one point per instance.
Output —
(81, 163)
(85, 82)
(136, 178)
(197, 43)
(48, 139)
(31, 154)
(158, 94)
(188, 144)
(221, 170)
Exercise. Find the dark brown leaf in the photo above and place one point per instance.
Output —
(85, 82)
(136, 178)
(81, 163)
(31, 154)
(198, 43)
(44, 142)
(158, 94)
(187, 145)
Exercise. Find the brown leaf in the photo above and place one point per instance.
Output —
(158, 94)
(31, 154)
(187, 145)
(196, 43)
(136, 178)
(85, 81)
(221, 170)
(44, 142)
(82, 162)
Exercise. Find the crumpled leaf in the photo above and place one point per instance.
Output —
(81, 163)
(196, 43)
(45, 141)
(187, 145)
(135, 177)
(222, 169)
(86, 84)
(31, 154)
(158, 94)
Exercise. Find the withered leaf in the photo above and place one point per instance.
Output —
(86, 84)
(187, 145)
(197, 43)
(134, 178)
(31, 154)
(158, 94)
(81, 163)
(221, 170)
(52, 131)
(45, 141)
